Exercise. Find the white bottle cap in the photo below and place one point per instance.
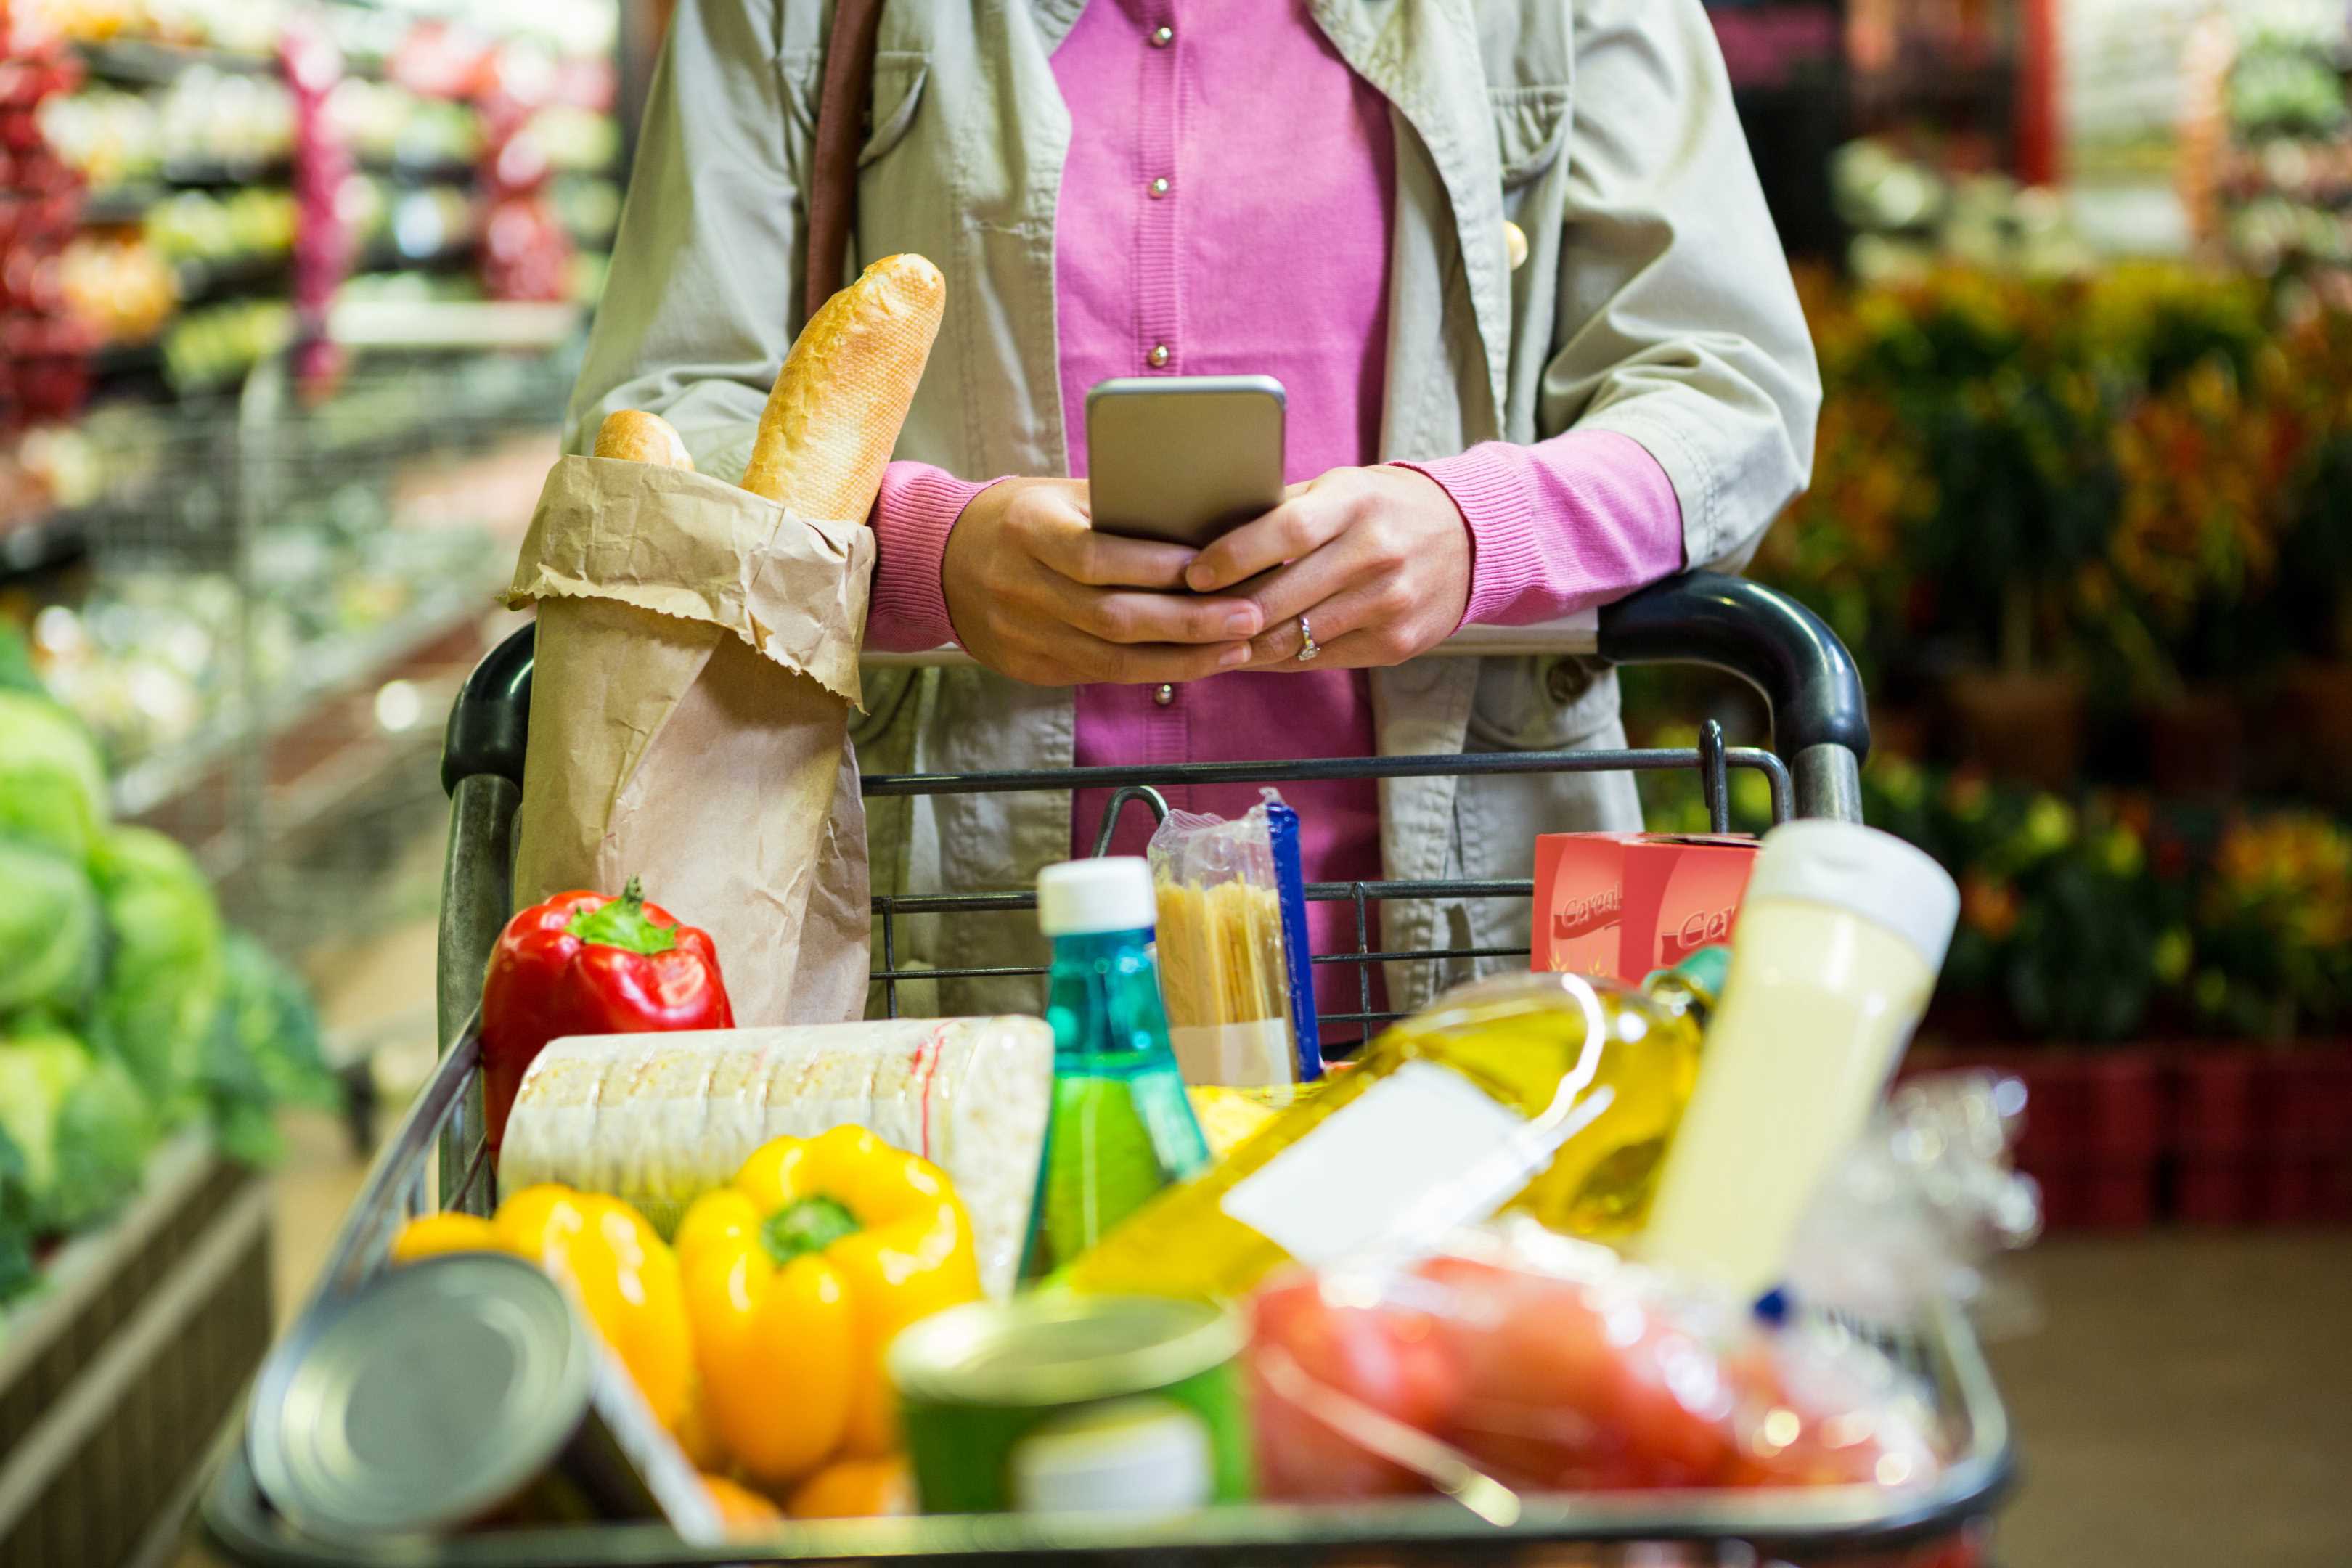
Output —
(1113, 893)
(1142, 1456)
(1876, 875)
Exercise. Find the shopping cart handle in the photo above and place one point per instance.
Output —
(489, 723)
(1761, 635)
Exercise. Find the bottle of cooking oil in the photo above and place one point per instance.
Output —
(1554, 1093)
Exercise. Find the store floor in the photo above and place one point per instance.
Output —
(2186, 1399)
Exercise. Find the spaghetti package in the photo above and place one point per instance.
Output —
(1234, 959)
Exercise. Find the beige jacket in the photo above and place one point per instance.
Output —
(1654, 302)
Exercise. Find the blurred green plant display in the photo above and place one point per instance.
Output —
(2128, 474)
(2110, 917)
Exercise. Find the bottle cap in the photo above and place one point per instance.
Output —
(1114, 893)
(1873, 874)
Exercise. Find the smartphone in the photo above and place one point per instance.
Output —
(1183, 458)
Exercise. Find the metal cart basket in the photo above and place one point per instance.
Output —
(1821, 727)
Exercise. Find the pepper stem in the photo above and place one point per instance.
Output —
(624, 923)
(805, 1225)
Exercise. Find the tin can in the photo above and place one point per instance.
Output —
(458, 1392)
(1065, 1403)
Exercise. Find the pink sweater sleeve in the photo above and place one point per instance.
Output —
(1562, 525)
(918, 505)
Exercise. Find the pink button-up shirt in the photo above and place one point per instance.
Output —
(1265, 253)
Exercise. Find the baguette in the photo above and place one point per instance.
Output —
(843, 391)
(641, 437)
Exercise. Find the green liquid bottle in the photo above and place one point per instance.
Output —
(1120, 1129)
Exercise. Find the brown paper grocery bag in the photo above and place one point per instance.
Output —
(696, 663)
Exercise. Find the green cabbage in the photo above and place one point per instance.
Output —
(263, 1053)
(164, 975)
(80, 1125)
(48, 931)
(17, 1272)
(52, 785)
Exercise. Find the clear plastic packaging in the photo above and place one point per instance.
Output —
(1521, 1360)
(1917, 1210)
(1232, 947)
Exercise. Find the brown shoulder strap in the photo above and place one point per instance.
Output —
(840, 131)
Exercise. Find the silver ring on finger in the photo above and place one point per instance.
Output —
(1309, 649)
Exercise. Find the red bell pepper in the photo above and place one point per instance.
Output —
(588, 963)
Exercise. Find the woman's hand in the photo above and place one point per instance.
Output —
(1036, 594)
(1378, 560)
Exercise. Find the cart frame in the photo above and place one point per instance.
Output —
(1821, 725)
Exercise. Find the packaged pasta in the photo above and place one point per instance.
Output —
(659, 1120)
(1232, 947)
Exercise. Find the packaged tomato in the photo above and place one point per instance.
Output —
(1543, 1364)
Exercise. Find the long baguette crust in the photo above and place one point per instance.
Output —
(641, 437)
(838, 403)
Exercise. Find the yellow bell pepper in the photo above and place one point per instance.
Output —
(798, 1275)
(625, 1279)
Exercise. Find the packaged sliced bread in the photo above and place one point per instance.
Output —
(659, 1120)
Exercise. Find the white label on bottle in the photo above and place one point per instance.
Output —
(1420, 1132)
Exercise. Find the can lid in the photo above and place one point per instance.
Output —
(1873, 874)
(1057, 1348)
(1126, 1456)
(422, 1402)
(1080, 897)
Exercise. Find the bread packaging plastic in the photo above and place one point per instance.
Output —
(659, 1120)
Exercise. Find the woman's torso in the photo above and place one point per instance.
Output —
(1264, 252)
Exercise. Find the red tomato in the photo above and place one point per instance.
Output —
(1807, 1422)
(1567, 1389)
(1390, 1360)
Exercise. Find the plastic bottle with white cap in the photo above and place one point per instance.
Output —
(1120, 1128)
(1840, 936)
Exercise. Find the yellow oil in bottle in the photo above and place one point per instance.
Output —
(1528, 1043)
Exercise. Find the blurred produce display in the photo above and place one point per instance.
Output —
(2101, 473)
(386, 124)
(172, 208)
(149, 660)
(2107, 914)
(129, 1010)
(209, 348)
(212, 228)
(2087, 532)
(2268, 153)
(1907, 218)
(239, 26)
(206, 124)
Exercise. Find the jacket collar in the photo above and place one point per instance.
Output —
(1423, 55)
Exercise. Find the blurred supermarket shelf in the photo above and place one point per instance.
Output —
(120, 203)
(325, 673)
(138, 62)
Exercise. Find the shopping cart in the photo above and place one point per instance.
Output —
(1821, 727)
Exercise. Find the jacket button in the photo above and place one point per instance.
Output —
(1164, 695)
(1565, 681)
(1515, 245)
(1158, 357)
